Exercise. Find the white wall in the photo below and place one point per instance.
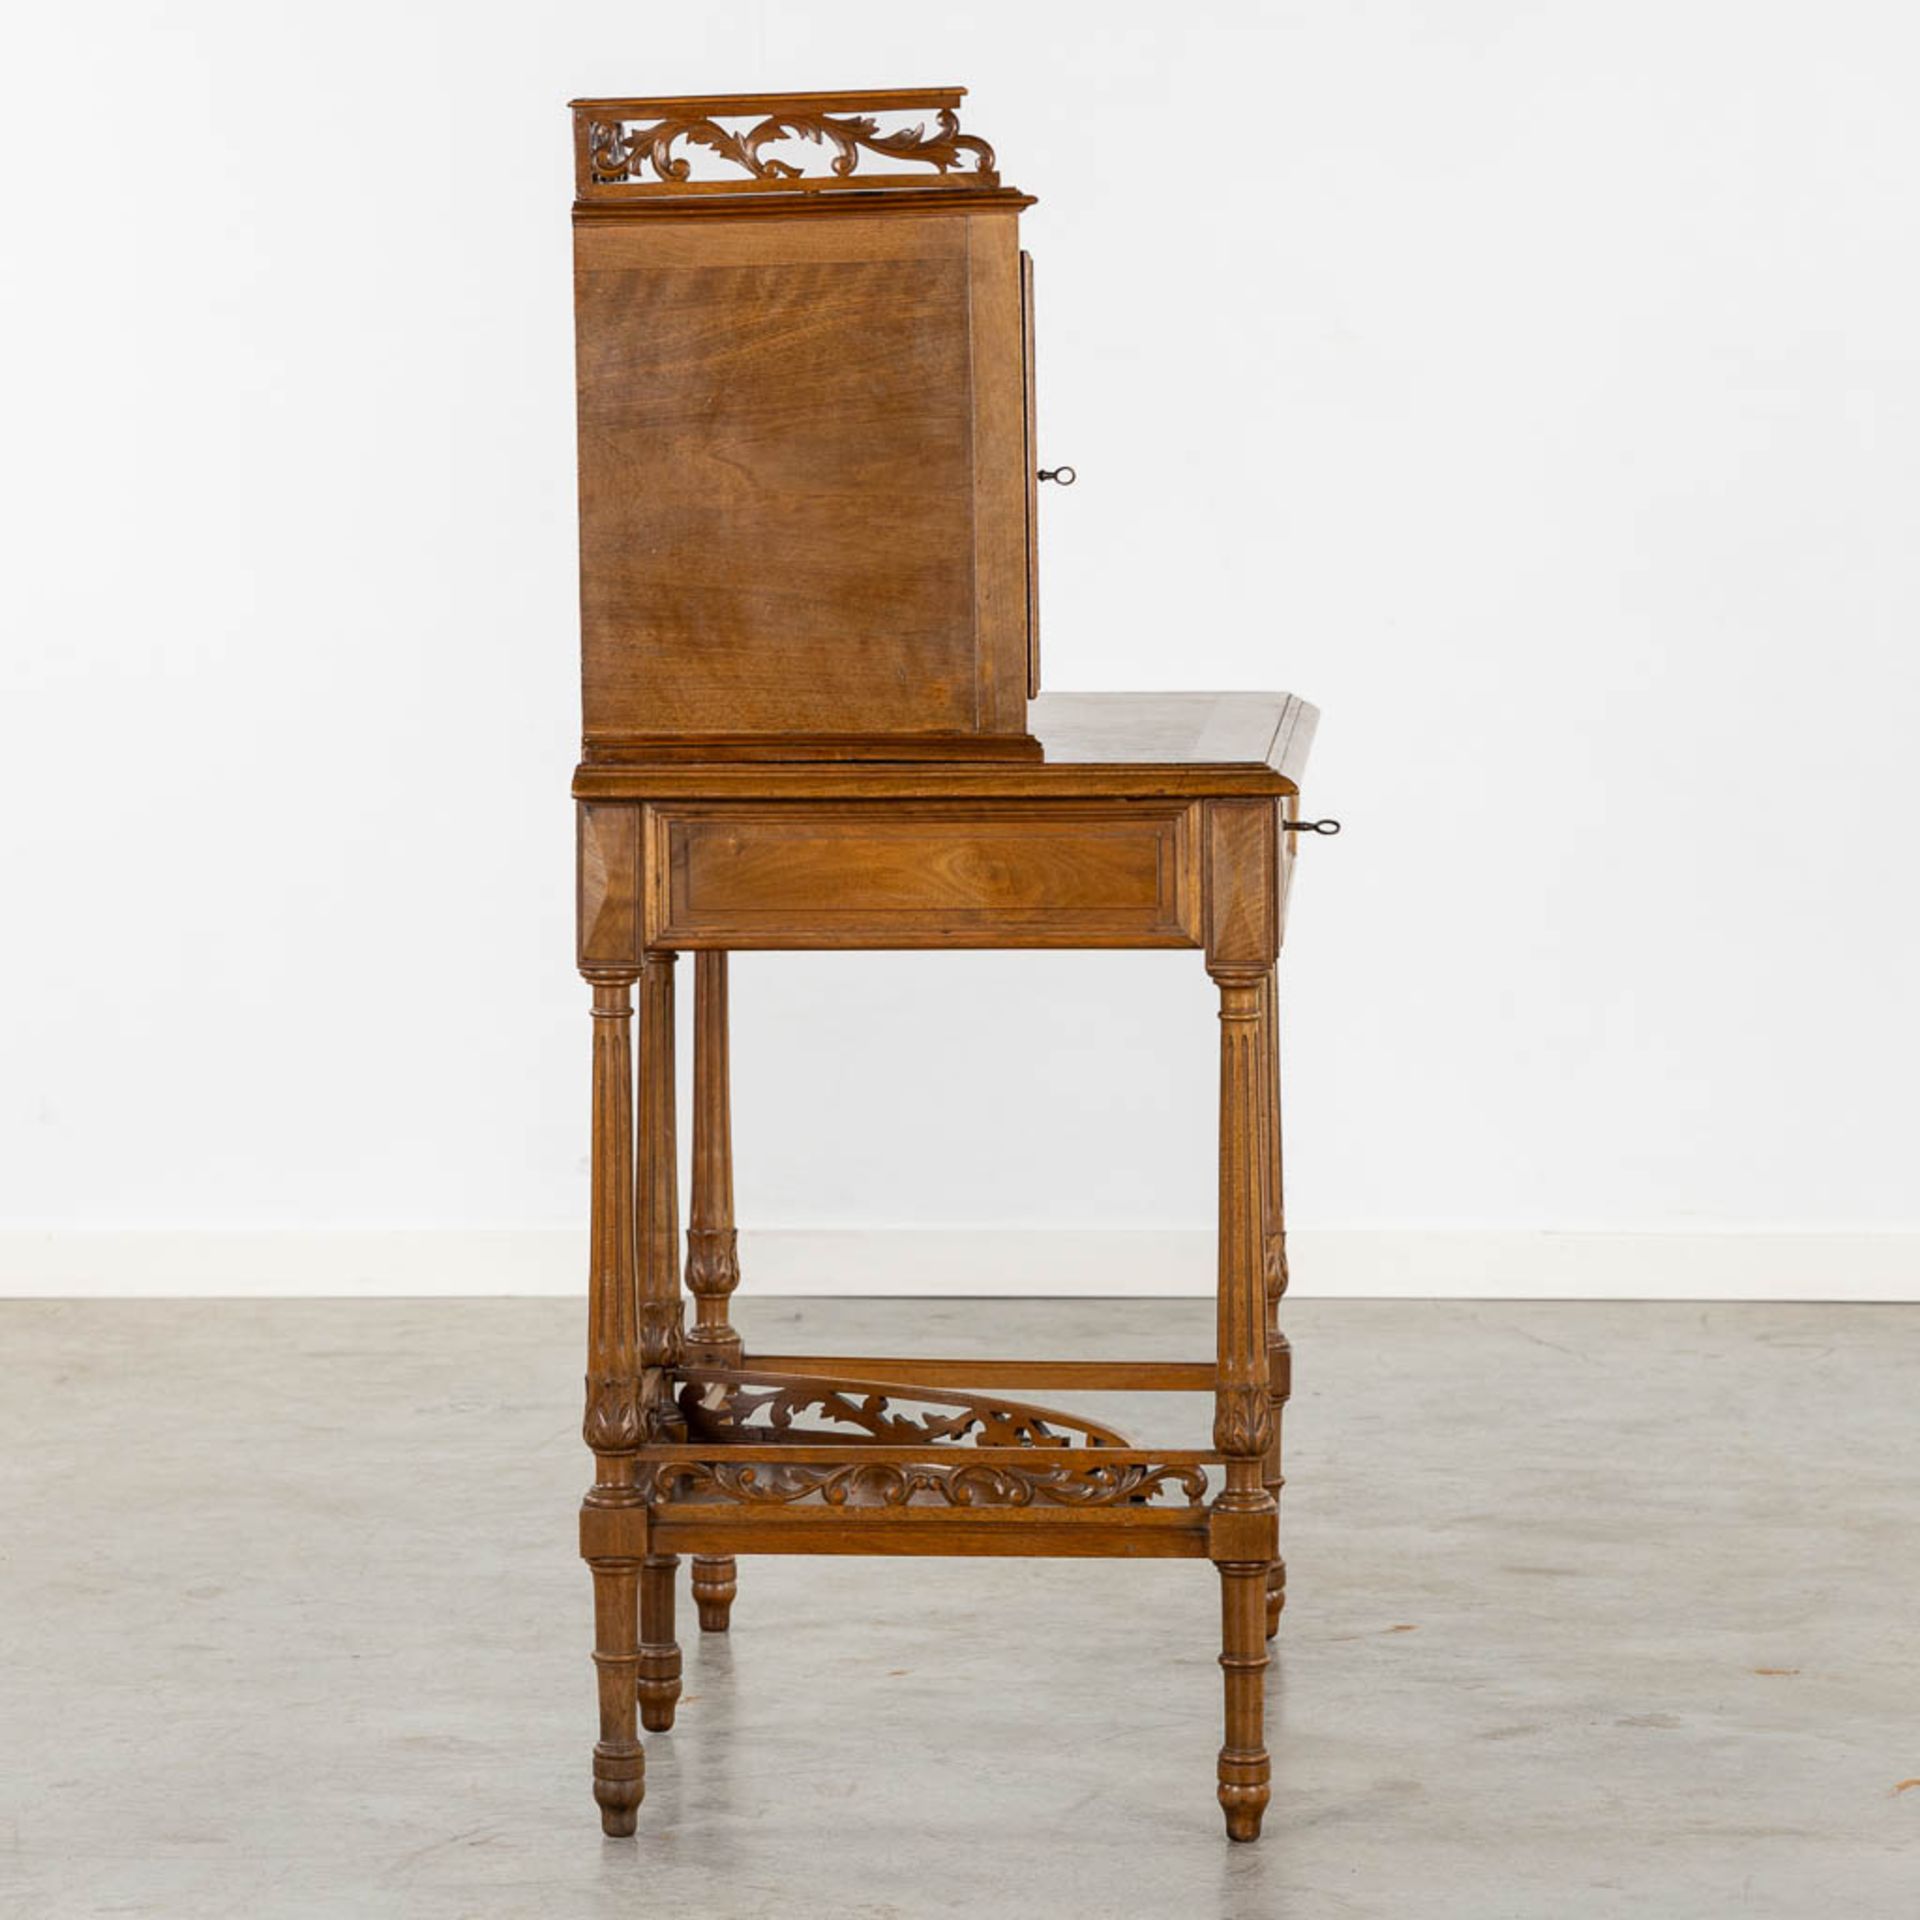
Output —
(1536, 387)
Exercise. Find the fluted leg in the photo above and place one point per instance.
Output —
(1280, 1359)
(1241, 1528)
(659, 1665)
(657, 1197)
(612, 1520)
(1274, 1262)
(661, 1316)
(713, 1259)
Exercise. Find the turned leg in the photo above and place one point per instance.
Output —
(713, 1259)
(659, 1665)
(612, 1520)
(1243, 1520)
(1280, 1360)
(1274, 1263)
(619, 1761)
(1242, 938)
(662, 1314)
(1245, 1770)
(657, 1198)
(715, 1582)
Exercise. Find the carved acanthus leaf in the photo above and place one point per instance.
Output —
(713, 1262)
(1275, 1265)
(1243, 1420)
(613, 1423)
(661, 1331)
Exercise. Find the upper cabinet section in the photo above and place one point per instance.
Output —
(804, 464)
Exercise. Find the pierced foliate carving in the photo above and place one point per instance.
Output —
(746, 1406)
(883, 1483)
(621, 153)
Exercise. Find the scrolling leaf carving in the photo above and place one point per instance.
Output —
(619, 152)
(747, 1406)
(881, 1483)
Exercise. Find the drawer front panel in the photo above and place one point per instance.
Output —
(1007, 874)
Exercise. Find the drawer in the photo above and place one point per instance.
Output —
(929, 874)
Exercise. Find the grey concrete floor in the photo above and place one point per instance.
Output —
(1597, 1610)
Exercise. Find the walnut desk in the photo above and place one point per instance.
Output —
(1148, 820)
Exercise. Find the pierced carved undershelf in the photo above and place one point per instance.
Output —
(1076, 1461)
(887, 1483)
(732, 1404)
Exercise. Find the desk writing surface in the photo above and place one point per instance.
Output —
(1118, 745)
(1172, 729)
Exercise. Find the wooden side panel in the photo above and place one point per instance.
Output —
(800, 453)
(1285, 852)
(1032, 475)
(1000, 468)
(1006, 874)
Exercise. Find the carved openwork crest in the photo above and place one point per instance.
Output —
(658, 146)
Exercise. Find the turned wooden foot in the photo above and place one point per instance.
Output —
(619, 1761)
(715, 1582)
(1245, 1770)
(658, 1669)
(619, 1784)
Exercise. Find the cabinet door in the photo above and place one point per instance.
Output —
(1033, 479)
